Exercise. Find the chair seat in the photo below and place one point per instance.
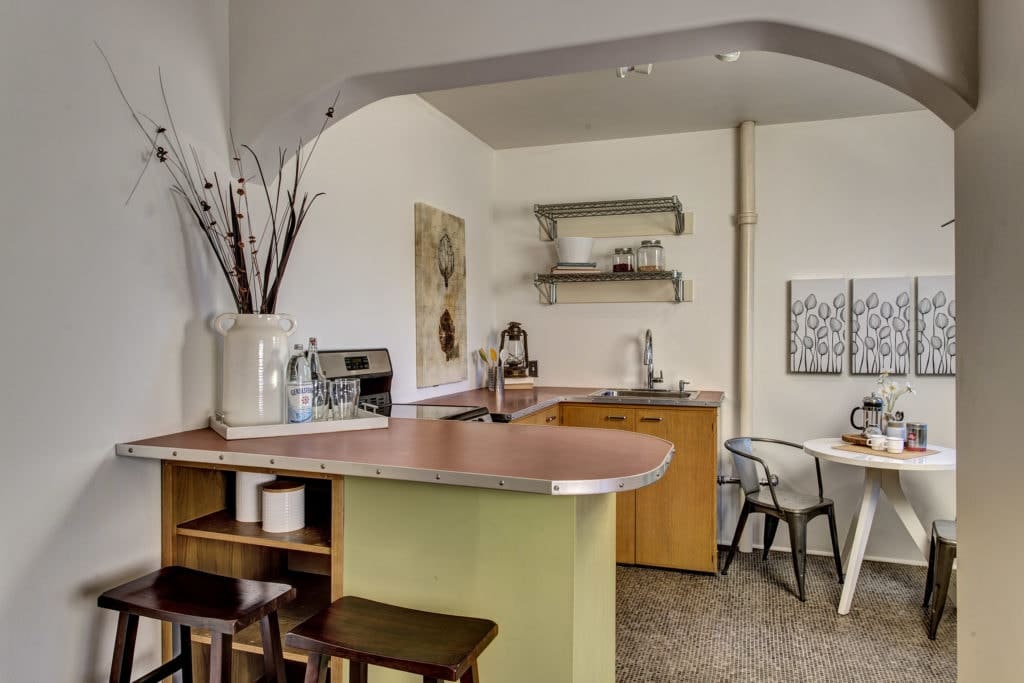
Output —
(789, 501)
(197, 599)
(423, 643)
(945, 531)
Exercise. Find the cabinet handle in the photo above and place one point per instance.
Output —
(551, 418)
(651, 419)
(616, 418)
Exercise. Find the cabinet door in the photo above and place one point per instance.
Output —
(612, 417)
(676, 517)
(548, 416)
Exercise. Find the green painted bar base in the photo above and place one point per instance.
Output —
(542, 567)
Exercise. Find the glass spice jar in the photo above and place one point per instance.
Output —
(623, 261)
(651, 256)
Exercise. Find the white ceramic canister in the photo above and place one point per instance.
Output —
(284, 506)
(248, 496)
(255, 353)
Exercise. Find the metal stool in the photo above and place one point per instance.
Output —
(193, 599)
(439, 647)
(940, 571)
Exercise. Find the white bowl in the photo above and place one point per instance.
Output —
(575, 249)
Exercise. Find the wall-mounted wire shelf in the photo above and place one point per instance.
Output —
(548, 215)
(547, 284)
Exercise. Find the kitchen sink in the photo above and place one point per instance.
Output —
(661, 395)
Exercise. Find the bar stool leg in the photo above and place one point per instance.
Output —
(356, 672)
(273, 659)
(220, 658)
(316, 668)
(472, 675)
(124, 648)
(185, 652)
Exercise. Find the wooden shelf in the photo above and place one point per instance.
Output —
(222, 526)
(313, 594)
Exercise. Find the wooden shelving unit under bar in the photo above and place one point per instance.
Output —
(222, 526)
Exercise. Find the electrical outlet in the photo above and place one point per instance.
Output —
(531, 368)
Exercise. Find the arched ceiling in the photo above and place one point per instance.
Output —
(287, 60)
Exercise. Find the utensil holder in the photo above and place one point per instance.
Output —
(492, 379)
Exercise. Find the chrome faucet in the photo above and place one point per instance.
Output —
(648, 360)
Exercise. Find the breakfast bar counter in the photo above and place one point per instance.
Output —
(465, 518)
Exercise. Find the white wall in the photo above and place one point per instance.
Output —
(860, 197)
(105, 306)
(350, 280)
(990, 240)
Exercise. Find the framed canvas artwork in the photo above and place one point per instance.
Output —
(936, 325)
(880, 325)
(817, 326)
(440, 297)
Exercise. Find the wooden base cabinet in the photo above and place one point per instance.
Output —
(673, 522)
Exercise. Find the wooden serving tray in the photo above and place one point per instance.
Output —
(866, 450)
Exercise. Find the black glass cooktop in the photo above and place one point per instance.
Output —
(432, 412)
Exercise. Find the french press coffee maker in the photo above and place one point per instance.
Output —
(873, 406)
(513, 342)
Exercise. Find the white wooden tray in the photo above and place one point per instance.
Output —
(366, 420)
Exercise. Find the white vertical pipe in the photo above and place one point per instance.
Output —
(746, 219)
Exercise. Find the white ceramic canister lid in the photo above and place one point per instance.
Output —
(284, 506)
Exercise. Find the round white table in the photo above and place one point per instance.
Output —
(880, 473)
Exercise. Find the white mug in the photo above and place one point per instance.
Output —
(877, 442)
(894, 444)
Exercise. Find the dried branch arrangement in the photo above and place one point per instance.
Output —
(253, 258)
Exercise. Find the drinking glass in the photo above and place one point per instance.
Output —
(321, 400)
(345, 397)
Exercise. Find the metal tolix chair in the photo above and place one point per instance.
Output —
(796, 509)
(941, 554)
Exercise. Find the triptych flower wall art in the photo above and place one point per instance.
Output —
(875, 323)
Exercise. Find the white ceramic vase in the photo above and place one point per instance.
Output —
(255, 353)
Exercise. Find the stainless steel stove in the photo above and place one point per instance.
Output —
(373, 369)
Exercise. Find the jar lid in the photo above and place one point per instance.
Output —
(650, 243)
(618, 250)
(627, 250)
(283, 486)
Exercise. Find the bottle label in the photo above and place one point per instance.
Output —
(300, 402)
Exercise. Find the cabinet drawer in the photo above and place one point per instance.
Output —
(601, 417)
(550, 416)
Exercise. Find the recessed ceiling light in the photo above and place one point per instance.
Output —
(728, 56)
(644, 69)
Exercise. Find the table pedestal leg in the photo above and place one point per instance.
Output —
(857, 539)
(905, 511)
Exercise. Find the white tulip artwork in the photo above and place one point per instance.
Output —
(936, 325)
(817, 326)
(880, 325)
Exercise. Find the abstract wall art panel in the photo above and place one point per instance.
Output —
(880, 333)
(936, 325)
(440, 297)
(817, 326)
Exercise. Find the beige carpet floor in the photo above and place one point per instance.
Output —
(749, 626)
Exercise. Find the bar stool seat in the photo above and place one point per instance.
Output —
(435, 646)
(193, 599)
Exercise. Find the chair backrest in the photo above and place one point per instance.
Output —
(746, 468)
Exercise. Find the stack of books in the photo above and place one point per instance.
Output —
(574, 268)
(519, 383)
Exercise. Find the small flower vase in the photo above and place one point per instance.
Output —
(893, 425)
(255, 354)
(492, 379)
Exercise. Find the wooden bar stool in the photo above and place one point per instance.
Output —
(439, 647)
(193, 599)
